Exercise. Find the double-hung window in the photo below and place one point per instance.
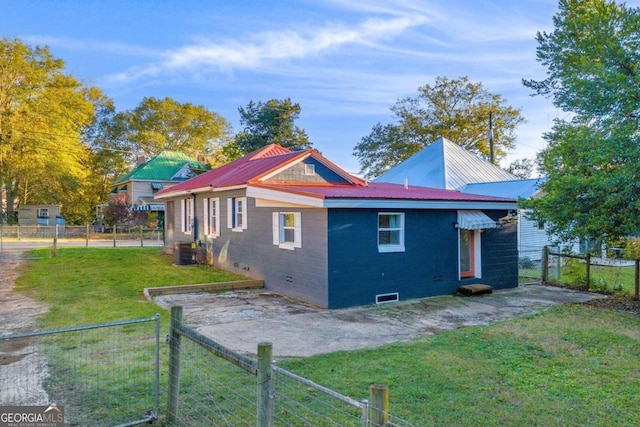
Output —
(287, 230)
(237, 213)
(187, 215)
(212, 217)
(390, 232)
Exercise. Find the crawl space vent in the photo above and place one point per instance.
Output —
(384, 298)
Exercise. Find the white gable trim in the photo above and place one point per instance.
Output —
(283, 197)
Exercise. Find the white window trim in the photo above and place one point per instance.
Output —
(187, 216)
(384, 248)
(278, 230)
(232, 212)
(43, 212)
(309, 169)
(208, 219)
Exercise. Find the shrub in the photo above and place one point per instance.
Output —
(632, 248)
(526, 263)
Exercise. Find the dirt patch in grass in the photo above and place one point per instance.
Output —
(22, 369)
(618, 303)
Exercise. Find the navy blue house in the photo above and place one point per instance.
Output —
(315, 233)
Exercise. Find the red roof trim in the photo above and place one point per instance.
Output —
(268, 151)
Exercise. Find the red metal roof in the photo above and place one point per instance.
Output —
(249, 169)
(378, 190)
(240, 171)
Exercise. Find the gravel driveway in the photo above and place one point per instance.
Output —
(240, 320)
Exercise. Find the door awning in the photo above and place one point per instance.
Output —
(474, 220)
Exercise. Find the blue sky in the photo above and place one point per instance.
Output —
(346, 62)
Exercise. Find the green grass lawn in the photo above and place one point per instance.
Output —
(569, 366)
(92, 285)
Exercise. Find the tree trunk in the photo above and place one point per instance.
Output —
(9, 192)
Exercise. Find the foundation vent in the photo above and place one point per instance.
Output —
(385, 298)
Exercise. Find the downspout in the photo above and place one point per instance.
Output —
(195, 220)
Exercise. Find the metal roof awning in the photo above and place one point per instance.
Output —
(474, 220)
(150, 207)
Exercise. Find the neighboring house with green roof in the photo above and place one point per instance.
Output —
(160, 172)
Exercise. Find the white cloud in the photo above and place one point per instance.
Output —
(287, 44)
(92, 46)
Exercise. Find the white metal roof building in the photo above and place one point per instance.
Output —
(444, 164)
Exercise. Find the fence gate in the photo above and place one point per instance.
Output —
(100, 375)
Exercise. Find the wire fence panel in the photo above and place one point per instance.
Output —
(102, 375)
(592, 273)
(211, 385)
(530, 266)
(213, 392)
(300, 402)
(78, 232)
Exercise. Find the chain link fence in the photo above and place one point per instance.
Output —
(87, 235)
(101, 375)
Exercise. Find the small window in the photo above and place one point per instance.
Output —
(187, 215)
(237, 213)
(309, 169)
(287, 230)
(212, 215)
(43, 213)
(390, 232)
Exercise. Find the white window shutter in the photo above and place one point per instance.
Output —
(297, 230)
(183, 211)
(276, 228)
(230, 212)
(206, 215)
(245, 213)
(217, 202)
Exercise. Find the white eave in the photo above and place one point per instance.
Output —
(179, 193)
(284, 197)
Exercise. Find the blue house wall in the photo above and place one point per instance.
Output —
(357, 272)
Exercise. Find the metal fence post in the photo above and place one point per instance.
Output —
(265, 403)
(379, 399)
(174, 365)
(588, 260)
(364, 417)
(637, 279)
(156, 388)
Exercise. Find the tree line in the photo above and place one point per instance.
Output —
(62, 142)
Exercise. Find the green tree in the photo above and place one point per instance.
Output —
(43, 112)
(268, 123)
(455, 109)
(591, 160)
(522, 168)
(157, 125)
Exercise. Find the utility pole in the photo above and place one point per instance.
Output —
(491, 138)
